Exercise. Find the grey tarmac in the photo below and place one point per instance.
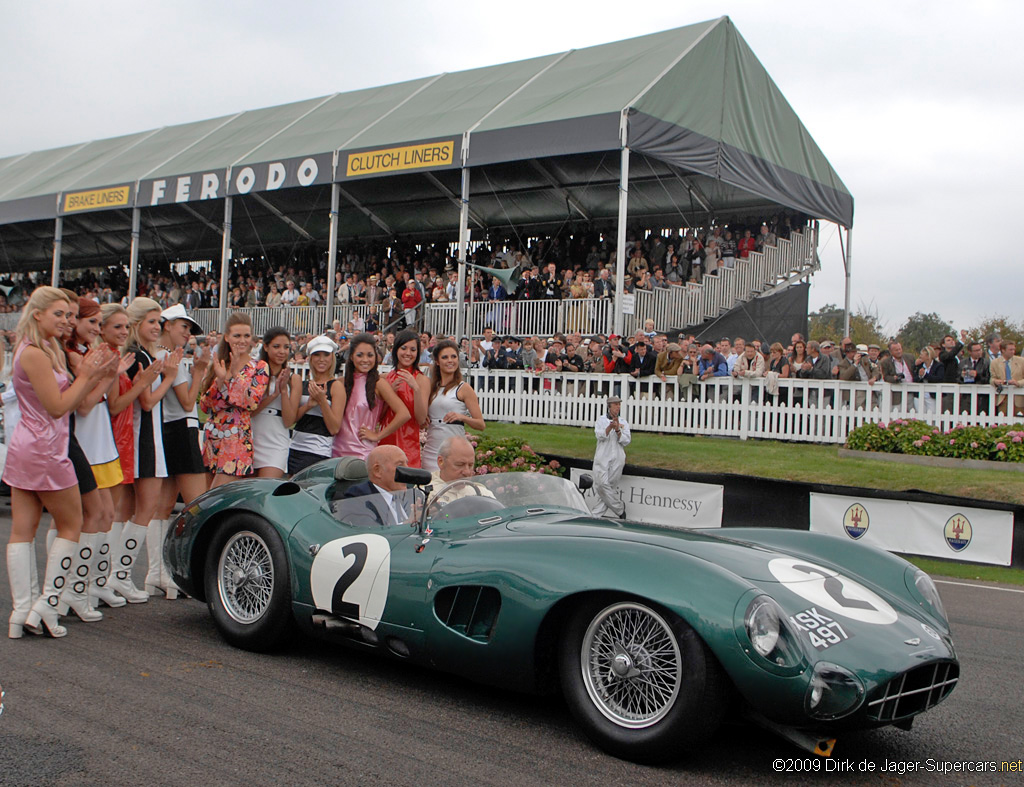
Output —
(152, 696)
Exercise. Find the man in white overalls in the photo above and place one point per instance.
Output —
(613, 436)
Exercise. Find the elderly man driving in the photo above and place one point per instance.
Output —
(456, 459)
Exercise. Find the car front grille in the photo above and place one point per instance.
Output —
(913, 692)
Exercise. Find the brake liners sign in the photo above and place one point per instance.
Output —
(116, 197)
(370, 162)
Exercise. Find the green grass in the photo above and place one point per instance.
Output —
(943, 568)
(772, 459)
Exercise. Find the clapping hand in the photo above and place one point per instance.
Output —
(201, 360)
(220, 370)
(317, 393)
(282, 380)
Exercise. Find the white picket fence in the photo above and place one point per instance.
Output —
(817, 411)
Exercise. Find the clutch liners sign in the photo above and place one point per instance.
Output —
(372, 162)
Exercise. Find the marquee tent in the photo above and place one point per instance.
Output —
(547, 139)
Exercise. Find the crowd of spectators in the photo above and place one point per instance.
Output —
(396, 278)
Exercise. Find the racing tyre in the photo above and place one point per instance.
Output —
(248, 588)
(640, 681)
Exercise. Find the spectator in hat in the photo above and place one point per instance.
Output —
(612, 432)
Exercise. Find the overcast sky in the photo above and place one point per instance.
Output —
(913, 103)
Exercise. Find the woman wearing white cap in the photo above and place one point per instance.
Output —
(186, 474)
(317, 407)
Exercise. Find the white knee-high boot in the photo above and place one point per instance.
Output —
(19, 571)
(99, 571)
(51, 534)
(122, 557)
(43, 615)
(76, 593)
(154, 551)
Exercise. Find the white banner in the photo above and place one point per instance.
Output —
(661, 501)
(975, 535)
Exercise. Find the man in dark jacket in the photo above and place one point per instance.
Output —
(617, 359)
(975, 370)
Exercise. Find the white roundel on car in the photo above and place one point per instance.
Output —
(830, 590)
(350, 577)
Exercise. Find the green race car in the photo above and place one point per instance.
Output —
(653, 634)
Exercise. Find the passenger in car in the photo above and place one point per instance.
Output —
(381, 485)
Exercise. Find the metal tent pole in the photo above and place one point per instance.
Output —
(847, 263)
(620, 243)
(225, 262)
(58, 240)
(332, 252)
(133, 255)
(460, 298)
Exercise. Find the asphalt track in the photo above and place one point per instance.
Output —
(152, 696)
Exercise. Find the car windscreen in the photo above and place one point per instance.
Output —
(379, 510)
(493, 492)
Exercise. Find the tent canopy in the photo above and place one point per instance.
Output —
(713, 132)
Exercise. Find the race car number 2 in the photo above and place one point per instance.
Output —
(823, 631)
(350, 577)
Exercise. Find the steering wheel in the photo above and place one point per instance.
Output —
(458, 483)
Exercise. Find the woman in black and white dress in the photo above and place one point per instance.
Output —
(144, 331)
(318, 405)
(271, 437)
(183, 455)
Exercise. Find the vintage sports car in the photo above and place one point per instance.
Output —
(653, 634)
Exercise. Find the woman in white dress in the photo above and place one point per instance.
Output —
(271, 436)
(453, 404)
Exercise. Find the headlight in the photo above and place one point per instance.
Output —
(834, 691)
(769, 634)
(763, 625)
(923, 587)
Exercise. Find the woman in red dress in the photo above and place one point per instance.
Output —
(412, 387)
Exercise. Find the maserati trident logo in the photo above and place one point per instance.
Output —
(958, 532)
(856, 521)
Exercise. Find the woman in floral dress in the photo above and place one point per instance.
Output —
(235, 385)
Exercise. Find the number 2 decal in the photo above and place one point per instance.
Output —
(348, 609)
(832, 591)
(350, 577)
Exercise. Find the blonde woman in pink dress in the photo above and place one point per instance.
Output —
(38, 469)
(367, 394)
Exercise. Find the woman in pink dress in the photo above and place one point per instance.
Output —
(412, 387)
(234, 386)
(367, 394)
(38, 469)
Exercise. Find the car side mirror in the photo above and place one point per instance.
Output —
(412, 475)
(586, 482)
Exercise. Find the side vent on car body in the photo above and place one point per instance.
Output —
(471, 610)
(287, 488)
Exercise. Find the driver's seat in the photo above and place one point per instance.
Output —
(349, 470)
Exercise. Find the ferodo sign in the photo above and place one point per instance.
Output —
(215, 184)
(96, 199)
(431, 155)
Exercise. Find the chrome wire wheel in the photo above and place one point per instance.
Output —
(245, 577)
(631, 664)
